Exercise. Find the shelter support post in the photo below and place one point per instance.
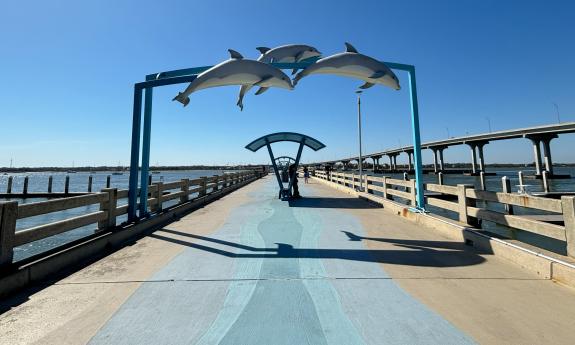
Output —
(146, 151)
(292, 177)
(135, 154)
(416, 138)
(275, 167)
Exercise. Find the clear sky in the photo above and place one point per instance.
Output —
(68, 69)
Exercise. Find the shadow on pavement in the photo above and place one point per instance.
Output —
(409, 252)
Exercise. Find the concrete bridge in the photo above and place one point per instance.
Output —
(330, 268)
(538, 136)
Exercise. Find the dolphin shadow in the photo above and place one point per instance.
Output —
(410, 253)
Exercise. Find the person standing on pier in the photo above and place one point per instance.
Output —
(305, 174)
(295, 188)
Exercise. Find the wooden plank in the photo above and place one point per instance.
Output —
(120, 210)
(523, 200)
(172, 185)
(550, 230)
(172, 196)
(447, 205)
(43, 207)
(451, 190)
(42, 231)
(399, 193)
(123, 193)
(375, 179)
(396, 182)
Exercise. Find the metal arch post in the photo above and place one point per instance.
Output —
(281, 185)
(148, 96)
(299, 150)
(135, 154)
(416, 138)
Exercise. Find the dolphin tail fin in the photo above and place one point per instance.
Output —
(185, 100)
(240, 104)
(261, 90)
(263, 50)
(297, 78)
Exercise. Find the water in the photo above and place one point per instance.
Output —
(38, 182)
(493, 183)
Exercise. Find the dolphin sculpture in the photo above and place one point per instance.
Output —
(288, 53)
(237, 71)
(355, 65)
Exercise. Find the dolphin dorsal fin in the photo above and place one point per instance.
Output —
(263, 50)
(234, 54)
(349, 48)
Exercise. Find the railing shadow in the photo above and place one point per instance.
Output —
(410, 252)
(315, 202)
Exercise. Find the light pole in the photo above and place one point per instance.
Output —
(447, 129)
(557, 110)
(359, 135)
(488, 123)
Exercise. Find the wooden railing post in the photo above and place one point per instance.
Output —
(413, 193)
(67, 185)
(158, 195)
(9, 187)
(50, 182)
(8, 216)
(90, 180)
(463, 203)
(568, 206)
(506, 187)
(25, 189)
(215, 181)
(482, 180)
(440, 178)
(384, 186)
(203, 186)
(186, 190)
(109, 205)
(108, 181)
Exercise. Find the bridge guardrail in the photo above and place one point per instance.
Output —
(465, 202)
(107, 199)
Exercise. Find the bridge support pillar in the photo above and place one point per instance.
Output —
(481, 159)
(547, 154)
(537, 155)
(473, 160)
(546, 140)
(395, 162)
(441, 161)
(435, 168)
(409, 161)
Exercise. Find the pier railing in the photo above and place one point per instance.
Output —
(554, 218)
(102, 208)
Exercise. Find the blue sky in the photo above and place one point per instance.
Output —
(69, 69)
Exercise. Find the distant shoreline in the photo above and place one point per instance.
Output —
(123, 169)
(236, 167)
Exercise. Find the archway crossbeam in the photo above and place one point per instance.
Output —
(188, 75)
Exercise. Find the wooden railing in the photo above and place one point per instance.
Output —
(108, 211)
(556, 219)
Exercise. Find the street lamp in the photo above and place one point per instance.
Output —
(359, 135)
(447, 129)
(557, 110)
(488, 123)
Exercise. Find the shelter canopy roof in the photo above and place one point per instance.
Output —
(285, 136)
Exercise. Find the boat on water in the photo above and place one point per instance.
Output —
(156, 172)
(117, 173)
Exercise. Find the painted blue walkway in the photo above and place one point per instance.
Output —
(275, 273)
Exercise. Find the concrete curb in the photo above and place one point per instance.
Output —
(87, 250)
(544, 266)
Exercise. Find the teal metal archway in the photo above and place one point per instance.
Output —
(142, 145)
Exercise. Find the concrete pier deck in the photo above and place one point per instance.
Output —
(326, 269)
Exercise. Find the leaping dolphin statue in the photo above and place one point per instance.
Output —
(288, 53)
(355, 65)
(237, 71)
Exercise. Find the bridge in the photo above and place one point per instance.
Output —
(236, 265)
(539, 136)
